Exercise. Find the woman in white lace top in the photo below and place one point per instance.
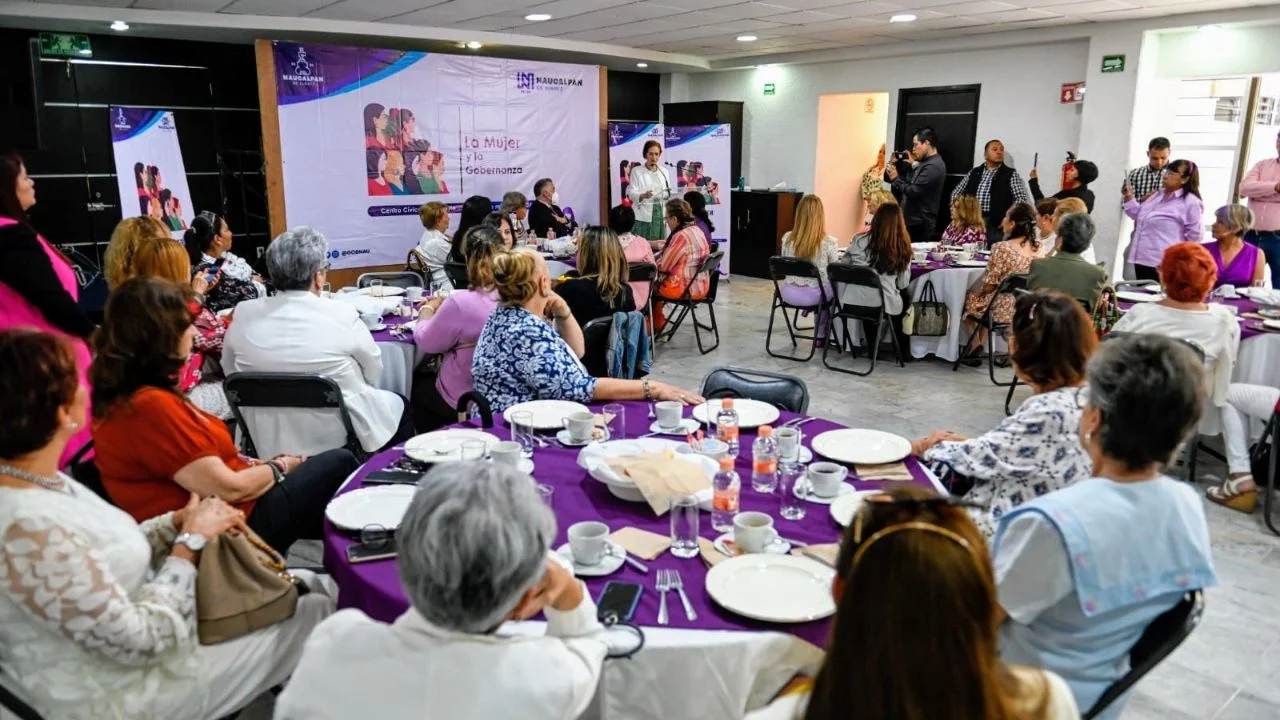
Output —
(98, 613)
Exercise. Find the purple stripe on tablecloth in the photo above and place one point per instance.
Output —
(385, 335)
(375, 587)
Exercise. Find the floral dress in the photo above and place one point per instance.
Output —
(520, 358)
(974, 235)
(1005, 261)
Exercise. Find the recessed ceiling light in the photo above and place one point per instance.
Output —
(119, 26)
(642, 64)
(475, 45)
(1210, 28)
(537, 17)
(905, 17)
(747, 38)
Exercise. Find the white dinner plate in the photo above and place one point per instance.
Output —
(608, 565)
(1271, 324)
(446, 445)
(547, 414)
(971, 263)
(384, 291)
(846, 506)
(751, 413)
(1138, 297)
(858, 446)
(773, 588)
(381, 505)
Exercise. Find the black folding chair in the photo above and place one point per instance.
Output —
(595, 340)
(287, 390)
(1270, 435)
(416, 262)
(688, 304)
(1161, 637)
(1009, 286)
(645, 272)
(785, 392)
(399, 278)
(86, 472)
(872, 316)
(457, 274)
(481, 404)
(13, 698)
(780, 268)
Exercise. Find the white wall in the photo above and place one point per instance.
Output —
(1244, 50)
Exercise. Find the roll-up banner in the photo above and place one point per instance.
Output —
(149, 168)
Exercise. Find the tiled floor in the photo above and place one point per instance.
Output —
(1230, 667)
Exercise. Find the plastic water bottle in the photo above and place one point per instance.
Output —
(725, 488)
(764, 461)
(727, 426)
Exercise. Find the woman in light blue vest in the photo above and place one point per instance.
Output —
(1081, 572)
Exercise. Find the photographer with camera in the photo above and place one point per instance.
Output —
(920, 188)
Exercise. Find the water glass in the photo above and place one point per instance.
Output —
(326, 290)
(406, 307)
(615, 421)
(684, 527)
(788, 439)
(375, 288)
(791, 475)
(546, 494)
(522, 431)
(473, 450)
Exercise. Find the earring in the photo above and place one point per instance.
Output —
(1088, 437)
(73, 425)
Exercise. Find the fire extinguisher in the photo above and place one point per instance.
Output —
(1071, 160)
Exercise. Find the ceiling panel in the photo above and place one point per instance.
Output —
(285, 8)
(183, 5)
(370, 10)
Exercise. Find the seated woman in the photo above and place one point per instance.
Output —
(297, 331)
(154, 448)
(1065, 207)
(110, 631)
(808, 240)
(117, 261)
(1141, 535)
(473, 555)
(698, 206)
(598, 288)
(521, 358)
(433, 247)
(516, 207)
(1009, 257)
(450, 327)
(967, 226)
(634, 248)
(913, 566)
(685, 251)
(887, 250)
(505, 228)
(1239, 263)
(1036, 450)
(874, 201)
(1066, 269)
(230, 278)
(474, 210)
(1046, 222)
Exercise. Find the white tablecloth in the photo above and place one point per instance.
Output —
(398, 361)
(950, 285)
(1259, 360)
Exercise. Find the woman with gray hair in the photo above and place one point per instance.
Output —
(473, 554)
(1239, 263)
(1082, 571)
(516, 207)
(297, 331)
(1067, 270)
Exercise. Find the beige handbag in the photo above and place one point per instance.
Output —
(242, 586)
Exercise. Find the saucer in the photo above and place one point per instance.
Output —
(726, 546)
(685, 427)
(806, 456)
(612, 560)
(565, 439)
(525, 465)
(802, 492)
(377, 328)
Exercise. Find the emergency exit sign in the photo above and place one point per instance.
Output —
(1112, 63)
(770, 89)
(64, 45)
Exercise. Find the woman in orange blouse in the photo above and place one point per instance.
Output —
(684, 253)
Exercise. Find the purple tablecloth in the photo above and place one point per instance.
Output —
(1248, 326)
(385, 335)
(375, 587)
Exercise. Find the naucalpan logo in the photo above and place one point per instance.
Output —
(122, 122)
(166, 122)
(527, 82)
(303, 70)
(615, 134)
(672, 135)
(720, 131)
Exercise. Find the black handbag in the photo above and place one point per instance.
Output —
(927, 317)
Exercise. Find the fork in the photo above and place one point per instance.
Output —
(678, 583)
(662, 586)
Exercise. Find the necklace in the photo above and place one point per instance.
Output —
(48, 483)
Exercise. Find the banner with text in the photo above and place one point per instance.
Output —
(701, 155)
(419, 127)
(626, 150)
(149, 169)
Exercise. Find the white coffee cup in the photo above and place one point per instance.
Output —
(753, 531)
(825, 478)
(788, 439)
(580, 425)
(505, 453)
(966, 253)
(414, 293)
(588, 541)
(920, 256)
(669, 414)
(1228, 291)
(371, 320)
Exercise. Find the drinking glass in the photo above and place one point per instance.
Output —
(473, 450)
(684, 527)
(546, 494)
(615, 421)
(375, 288)
(406, 307)
(326, 290)
(790, 475)
(522, 431)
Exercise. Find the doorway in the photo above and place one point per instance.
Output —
(952, 112)
(851, 129)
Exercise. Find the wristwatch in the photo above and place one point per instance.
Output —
(195, 542)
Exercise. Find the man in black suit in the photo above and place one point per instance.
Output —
(545, 214)
(920, 188)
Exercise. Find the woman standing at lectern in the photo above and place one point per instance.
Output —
(648, 189)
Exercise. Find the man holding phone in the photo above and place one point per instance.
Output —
(997, 187)
(1146, 180)
(921, 189)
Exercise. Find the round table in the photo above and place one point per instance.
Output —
(759, 656)
(950, 284)
(399, 356)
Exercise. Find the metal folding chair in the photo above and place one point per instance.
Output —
(645, 272)
(844, 276)
(785, 392)
(1009, 286)
(780, 268)
(399, 278)
(287, 390)
(688, 305)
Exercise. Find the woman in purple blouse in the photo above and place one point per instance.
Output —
(1239, 263)
(1170, 215)
(450, 326)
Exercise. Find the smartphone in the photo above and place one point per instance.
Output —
(618, 599)
(393, 477)
(213, 270)
(1035, 161)
(368, 552)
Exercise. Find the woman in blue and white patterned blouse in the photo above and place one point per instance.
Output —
(1037, 449)
(520, 357)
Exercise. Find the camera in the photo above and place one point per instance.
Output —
(900, 156)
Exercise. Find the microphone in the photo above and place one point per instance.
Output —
(668, 164)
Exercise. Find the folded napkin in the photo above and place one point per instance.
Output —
(825, 553)
(710, 555)
(893, 472)
(603, 419)
(641, 543)
(660, 477)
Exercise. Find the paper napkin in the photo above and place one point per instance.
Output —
(893, 472)
(660, 477)
(825, 553)
(641, 543)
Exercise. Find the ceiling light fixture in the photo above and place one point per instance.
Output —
(475, 45)
(905, 17)
(747, 38)
(1210, 28)
(642, 64)
(119, 26)
(537, 17)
